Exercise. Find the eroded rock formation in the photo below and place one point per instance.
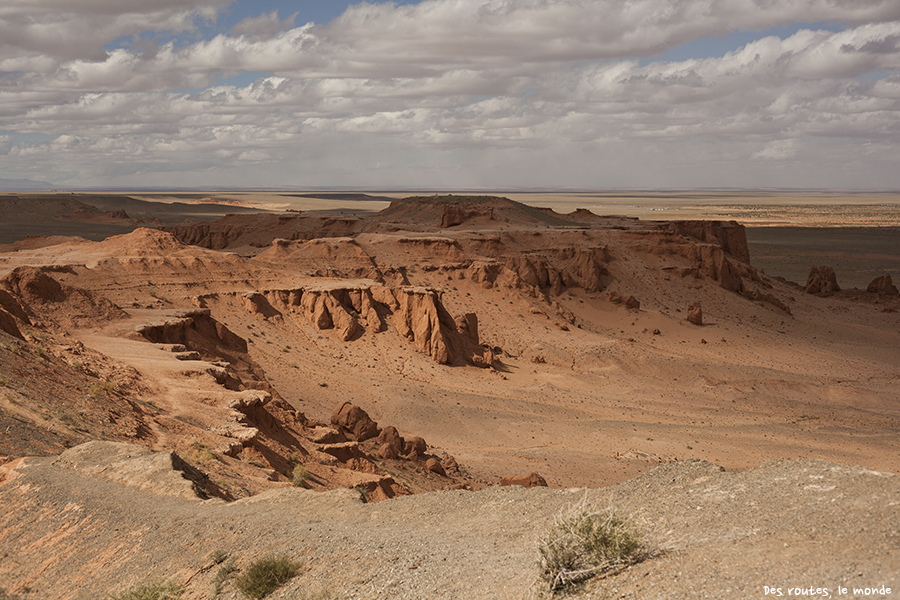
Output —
(416, 312)
(822, 281)
(883, 286)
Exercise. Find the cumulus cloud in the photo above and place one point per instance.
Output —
(509, 89)
(50, 32)
(263, 26)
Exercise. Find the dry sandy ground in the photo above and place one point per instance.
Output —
(789, 524)
(584, 391)
(751, 384)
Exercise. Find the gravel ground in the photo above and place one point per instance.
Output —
(785, 524)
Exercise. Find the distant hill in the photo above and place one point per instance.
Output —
(24, 185)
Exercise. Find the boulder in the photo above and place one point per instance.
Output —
(414, 447)
(883, 286)
(390, 442)
(530, 480)
(629, 301)
(354, 422)
(9, 325)
(388, 452)
(695, 313)
(434, 465)
(450, 465)
(822, 281)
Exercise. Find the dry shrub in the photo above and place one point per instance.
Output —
(267, 575)
(151, 591)
(300, 476)
(585, 542)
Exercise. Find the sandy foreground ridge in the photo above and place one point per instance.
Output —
(350, 390)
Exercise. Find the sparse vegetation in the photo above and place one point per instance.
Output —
(585, 542)
(154, 293)
(300, 476)
(363, 493)
(151, 591)
(266, 575)
(199, 453)
(225, 571)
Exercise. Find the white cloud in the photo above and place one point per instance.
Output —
(264, 25)
(518, 90)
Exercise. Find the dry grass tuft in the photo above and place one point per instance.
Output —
(151, 591)
(585, 542)
(267, 575)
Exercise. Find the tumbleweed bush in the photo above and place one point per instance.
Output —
(585, 542)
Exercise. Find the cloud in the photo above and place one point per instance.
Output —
(510, 90)
(263, 26)
(52, 32)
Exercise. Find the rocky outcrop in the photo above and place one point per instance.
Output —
(767, 298)
(883, 286)
(340, 257)
(197, 331)
(345, 308)
(528, 481)
(414, 447)
(434, 465)
(729, 235)
(8, 324)
(713, 262)
(416, 312)
(695, 313)
(629, 301)
(28, 293)
(422, 319)
(261, 230)
(390, 443)
(354, 422)
(550, 272)
(160, 473)
(822, 281)
(455, 214)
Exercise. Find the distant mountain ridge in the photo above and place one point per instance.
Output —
(24, 185)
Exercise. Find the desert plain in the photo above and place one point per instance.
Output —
(637, 347)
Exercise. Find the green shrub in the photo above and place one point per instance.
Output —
(151, 591)
(267, 575)
(585, 542)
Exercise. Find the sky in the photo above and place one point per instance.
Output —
(451, 94)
